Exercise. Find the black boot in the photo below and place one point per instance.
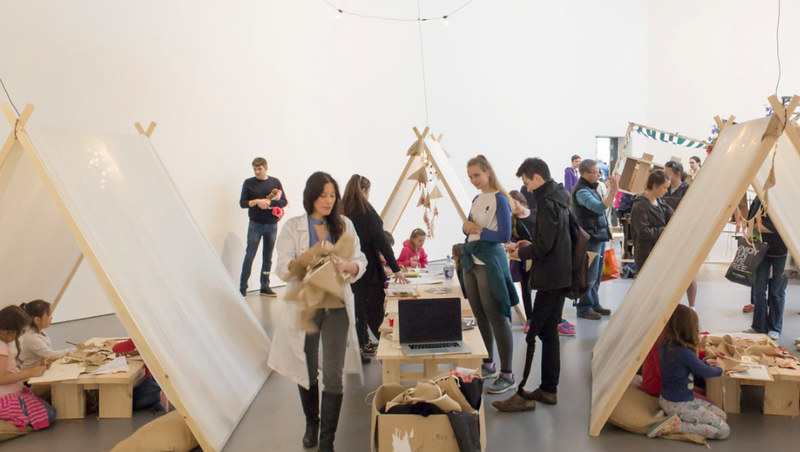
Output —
(331, 406)
(310, 400)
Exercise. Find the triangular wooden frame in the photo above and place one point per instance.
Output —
(739, 158)
(19, 136)
(419, 154)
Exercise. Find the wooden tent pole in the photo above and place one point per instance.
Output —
(148, 132)
(67, 282)
(621, 149)
(14, 122)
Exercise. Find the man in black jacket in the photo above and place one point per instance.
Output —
(550, 251)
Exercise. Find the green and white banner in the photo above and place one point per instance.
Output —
(672, 138)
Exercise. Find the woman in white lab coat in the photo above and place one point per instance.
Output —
(295, 353)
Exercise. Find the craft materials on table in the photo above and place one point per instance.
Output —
(61, 372)
(438, 290)
(402, 291)
(96, 354)
(116, 365)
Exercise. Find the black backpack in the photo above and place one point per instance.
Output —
(580, 260)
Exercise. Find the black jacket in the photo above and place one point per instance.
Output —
(551, 247)
(369, 228)
(596, 225)
(674, 197)
(647, 224)
(777, 247)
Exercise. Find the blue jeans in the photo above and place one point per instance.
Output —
(769, 295)
(255, 232)
(591, 300)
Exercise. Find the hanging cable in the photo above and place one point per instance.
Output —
(422, 60)
(9, 96)
(778, 55)
(778, 47)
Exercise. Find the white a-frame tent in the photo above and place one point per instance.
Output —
(107, 197)
(764, 152)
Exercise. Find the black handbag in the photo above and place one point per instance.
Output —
(748, 257)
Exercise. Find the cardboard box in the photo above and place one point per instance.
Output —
(412, 433)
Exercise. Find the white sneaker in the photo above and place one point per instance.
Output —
(774, 335)
(750, 331)
(797, 341)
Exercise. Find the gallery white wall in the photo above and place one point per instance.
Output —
(290, 81)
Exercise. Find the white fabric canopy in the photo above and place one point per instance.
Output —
(166, 283)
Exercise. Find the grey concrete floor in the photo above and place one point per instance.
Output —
(274, 421)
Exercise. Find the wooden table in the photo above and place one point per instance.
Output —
(392, 356)
(116, 393)
(781, 396)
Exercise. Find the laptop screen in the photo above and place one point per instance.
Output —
(429, 320)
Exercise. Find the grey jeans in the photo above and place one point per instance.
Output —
(333, 326)
(491, 321)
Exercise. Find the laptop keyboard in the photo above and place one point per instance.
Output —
(433, 345)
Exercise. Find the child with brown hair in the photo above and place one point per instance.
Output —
(17, 404)
(679, 366)
(413, 255)
(36, 344)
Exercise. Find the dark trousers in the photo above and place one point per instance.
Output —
(147, 394)
(547, 308)
(333, 325)
(527, 300)
(369, 312)
(255, 233)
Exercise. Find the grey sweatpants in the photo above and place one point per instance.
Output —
(333, 327)
(698, 416)
(491, 321)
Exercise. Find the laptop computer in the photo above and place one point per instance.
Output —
(430, 326)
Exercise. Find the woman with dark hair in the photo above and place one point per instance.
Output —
(295, 352)
(649, 216)
(368, 290)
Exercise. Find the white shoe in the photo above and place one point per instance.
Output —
(774, 335)
(797, 346)
(750, 331)
(797, 341)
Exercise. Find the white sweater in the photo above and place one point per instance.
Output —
(36, 346)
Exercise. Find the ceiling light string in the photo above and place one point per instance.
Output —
(422, 60)
(444, 17)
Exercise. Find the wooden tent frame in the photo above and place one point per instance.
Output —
(646, 162)
(419, 154)
(614, 365)
(19, 136)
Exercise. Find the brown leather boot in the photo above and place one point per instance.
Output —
(515, 403)
(550, 398)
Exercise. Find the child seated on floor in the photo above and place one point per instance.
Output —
(651, 374)
(413, 256)
(17, 404)
(36, 344)
(147, 395)
(679, 366)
